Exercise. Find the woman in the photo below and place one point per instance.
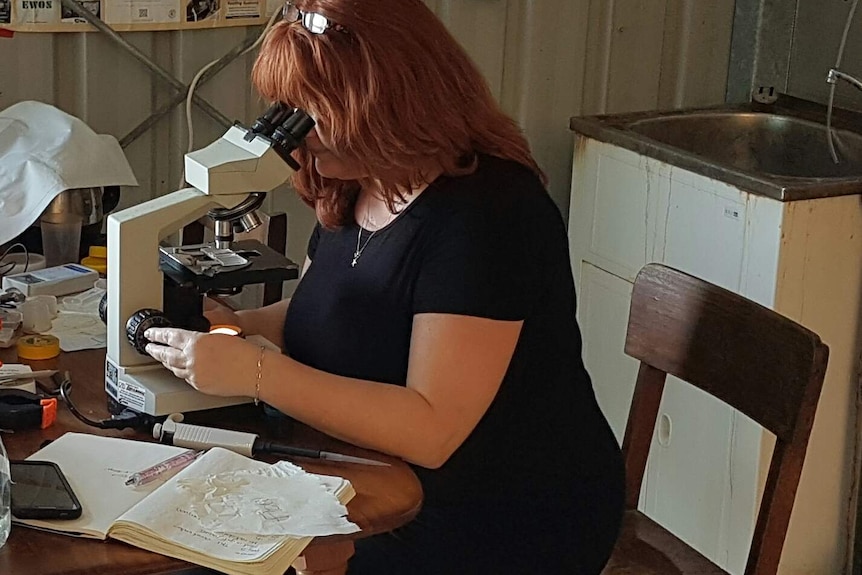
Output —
(435, 316)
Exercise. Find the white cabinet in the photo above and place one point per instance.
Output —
(803, 259)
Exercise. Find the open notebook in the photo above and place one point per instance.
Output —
(168, 517)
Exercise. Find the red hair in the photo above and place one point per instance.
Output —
(394, 88)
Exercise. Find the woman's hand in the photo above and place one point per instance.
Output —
(215, 364)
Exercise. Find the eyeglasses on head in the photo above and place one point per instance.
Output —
(314, 22)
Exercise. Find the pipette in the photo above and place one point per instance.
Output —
(173, 432)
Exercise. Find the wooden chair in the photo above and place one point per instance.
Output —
(753, 359)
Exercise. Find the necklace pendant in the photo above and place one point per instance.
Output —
(355, 258)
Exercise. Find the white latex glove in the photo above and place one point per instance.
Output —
(215, 364)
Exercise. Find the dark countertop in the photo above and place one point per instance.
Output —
(614, 129)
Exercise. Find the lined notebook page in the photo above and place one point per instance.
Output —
(97, 468)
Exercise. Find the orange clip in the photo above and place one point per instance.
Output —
(49, 411)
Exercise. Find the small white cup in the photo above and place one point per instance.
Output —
(50, 301)
(37, 317)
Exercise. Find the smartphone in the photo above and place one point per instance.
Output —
(41, 491)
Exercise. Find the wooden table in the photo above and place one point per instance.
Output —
(386, 497)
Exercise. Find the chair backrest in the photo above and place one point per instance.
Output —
(750, 357)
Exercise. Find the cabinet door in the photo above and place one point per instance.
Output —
(613, 210)
(689, 488)
(603, 314)
(704, 229)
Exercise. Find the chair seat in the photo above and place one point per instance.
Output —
(646, 548)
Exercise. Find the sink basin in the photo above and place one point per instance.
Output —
(772, 144)
(778, 149)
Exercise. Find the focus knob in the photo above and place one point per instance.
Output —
(141, 321)
(103, 309)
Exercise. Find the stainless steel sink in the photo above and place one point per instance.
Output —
(778, 150)
(770, 144)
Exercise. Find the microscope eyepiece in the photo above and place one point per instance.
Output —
(285, 127)
(293, 129)
(274, 116)
(290, 133)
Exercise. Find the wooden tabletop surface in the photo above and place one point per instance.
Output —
(386, 497)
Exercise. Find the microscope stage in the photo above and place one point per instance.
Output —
(266, 265)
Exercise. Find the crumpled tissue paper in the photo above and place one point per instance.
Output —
(280, 500)
(44, 151)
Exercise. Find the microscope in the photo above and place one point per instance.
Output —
(153, 285)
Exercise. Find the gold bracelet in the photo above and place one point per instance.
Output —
(257, 381)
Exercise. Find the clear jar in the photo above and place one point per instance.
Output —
(5, 495)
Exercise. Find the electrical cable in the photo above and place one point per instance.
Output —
(126, 419)
(9, 266)
(829, 134)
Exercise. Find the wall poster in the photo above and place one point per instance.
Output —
(135, 15)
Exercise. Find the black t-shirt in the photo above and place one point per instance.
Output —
(491, 245)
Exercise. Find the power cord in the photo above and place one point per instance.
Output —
(6, 267)
(126, 419)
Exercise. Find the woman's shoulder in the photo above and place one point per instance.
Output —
(495, 173)
(495, 182)
(499, 195)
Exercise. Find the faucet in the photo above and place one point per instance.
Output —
(832, 78)
(834, 75)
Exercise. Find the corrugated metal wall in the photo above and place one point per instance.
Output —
(811, 49)
(546, 60)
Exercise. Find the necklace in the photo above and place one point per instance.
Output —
(360, 245)
(361, 249)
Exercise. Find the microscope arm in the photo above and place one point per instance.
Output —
(135, 281)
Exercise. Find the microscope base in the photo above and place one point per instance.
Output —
(155, 391)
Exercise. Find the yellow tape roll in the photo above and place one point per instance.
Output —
(38, 347)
